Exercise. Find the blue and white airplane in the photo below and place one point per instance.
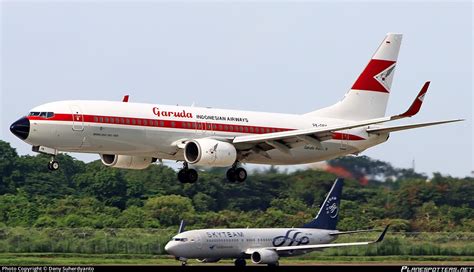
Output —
(265, 245)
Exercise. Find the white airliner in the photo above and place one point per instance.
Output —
(134, 135)
(265, 245)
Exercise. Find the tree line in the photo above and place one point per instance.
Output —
(90, 195)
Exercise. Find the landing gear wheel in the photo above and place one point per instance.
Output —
(187, 175)
(53, 165)
(231, 175)
(240, 174)
(192, 175)
(182, 177)
(274, 264)
(240, 262)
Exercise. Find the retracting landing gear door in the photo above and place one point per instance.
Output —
(77, 118)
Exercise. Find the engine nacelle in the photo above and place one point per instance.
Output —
(209, 260)
(125, 161)
(210, 152)
(264, 256)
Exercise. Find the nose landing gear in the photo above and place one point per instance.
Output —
(53, 165)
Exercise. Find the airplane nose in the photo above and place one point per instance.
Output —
(168, 248)
(21, 128)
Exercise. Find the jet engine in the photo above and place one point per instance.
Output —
(125, 161)
(264, 256)
(210, 152)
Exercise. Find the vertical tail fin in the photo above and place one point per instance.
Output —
(329, 212)
(369, 94)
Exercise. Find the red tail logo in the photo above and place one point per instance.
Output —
(376, 77)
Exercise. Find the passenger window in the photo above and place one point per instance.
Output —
(162, 123)
(134, 122)
(106, 119)
(101, 119)
(173, 124)
(117, 120)
(139, 121)
(144, 122)
(112, 120)
(96, 119)
(127, 121)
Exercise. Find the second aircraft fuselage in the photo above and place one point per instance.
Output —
(154, 130)
(232, 243)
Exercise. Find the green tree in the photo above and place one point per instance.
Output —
(170, 209)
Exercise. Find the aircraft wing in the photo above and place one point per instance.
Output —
(321, 246)
(314, 136)
(404, 127)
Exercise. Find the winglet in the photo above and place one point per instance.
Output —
(181, 226)
(383, 234)
(416, 105)
(125, 98)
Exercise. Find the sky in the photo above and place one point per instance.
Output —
(290, 57)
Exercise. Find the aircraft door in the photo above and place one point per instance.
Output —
(77, 118)
(198, 241)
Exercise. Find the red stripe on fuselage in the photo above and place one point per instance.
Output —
(161, 123)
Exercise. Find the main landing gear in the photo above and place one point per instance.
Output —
(240, 262)
(187, 175)
(53, 165)
(236, 174)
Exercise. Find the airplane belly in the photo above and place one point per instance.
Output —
(303, 154)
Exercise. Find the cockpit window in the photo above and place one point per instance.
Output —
(43, 114)
(181, 239)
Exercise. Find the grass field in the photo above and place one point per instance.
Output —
(136, 259)
(55, 246)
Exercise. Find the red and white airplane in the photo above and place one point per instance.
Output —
(134, 135)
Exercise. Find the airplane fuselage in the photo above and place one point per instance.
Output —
(154, 130)
(232, 243)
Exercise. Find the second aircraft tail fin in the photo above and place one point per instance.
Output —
(328, 214)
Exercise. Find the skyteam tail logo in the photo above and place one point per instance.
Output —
(331, 207)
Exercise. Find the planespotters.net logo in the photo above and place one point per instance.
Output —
(406, 268)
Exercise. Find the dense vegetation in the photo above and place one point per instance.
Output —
(94, 196)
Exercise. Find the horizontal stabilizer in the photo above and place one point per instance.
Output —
(405, 127)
